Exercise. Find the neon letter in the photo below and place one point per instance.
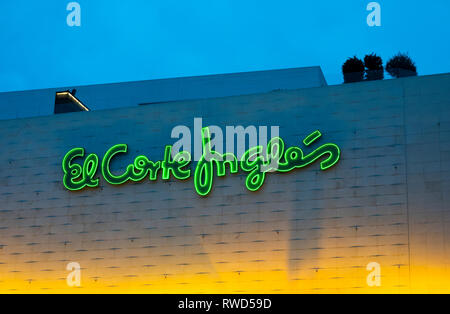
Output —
(76, 177)
(107, 174)
(175, 166)
(203, 176)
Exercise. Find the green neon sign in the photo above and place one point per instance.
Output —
(257, 162)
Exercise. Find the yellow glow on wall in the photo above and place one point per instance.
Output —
(328, 276)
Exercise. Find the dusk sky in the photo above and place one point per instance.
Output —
(142, 39)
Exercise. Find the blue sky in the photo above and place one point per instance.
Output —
(144, 39)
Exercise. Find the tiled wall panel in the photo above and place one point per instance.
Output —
(387, 201)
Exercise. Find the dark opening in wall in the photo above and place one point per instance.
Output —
(66, 102)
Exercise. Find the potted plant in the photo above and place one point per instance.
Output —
(353, 70)
(401, 65)
(374, 67)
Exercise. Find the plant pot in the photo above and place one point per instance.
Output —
(374, 75)
(353, 77)
(404, 72)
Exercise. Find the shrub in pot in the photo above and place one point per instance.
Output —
(401, 65)
(353, 70)
(374, 67)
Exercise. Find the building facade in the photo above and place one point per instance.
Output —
(377, 221)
